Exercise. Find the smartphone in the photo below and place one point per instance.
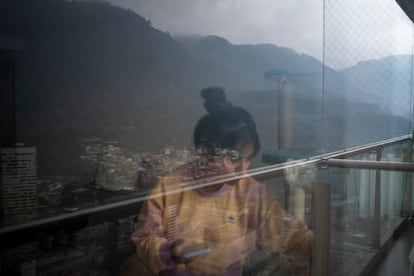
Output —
(195, 250)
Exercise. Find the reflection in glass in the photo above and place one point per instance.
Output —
(107, 94)
(221, 224)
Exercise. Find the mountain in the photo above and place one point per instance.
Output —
(250, 62)
(91, 69)
(385, 82)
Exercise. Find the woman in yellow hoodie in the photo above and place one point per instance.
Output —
(196, 224)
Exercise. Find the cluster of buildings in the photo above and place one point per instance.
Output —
(18, 183)
(93, 148)
(113, 168)
(116, 171)
(24, 197)
(69, 251)
(153, 165)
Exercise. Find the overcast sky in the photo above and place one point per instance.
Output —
(297, 24)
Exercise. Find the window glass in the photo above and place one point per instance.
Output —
(162, 136)
(368, 95)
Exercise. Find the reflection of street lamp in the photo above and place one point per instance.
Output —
(294, 193)
(285, 130)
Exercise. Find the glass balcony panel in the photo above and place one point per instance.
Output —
(352, 219)
(107, 97)
(361, 224)
(372, 61)
(395, 188)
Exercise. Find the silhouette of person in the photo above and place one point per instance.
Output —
(193, 224)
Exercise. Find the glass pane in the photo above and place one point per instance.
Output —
(170, 130)
(106, 105)
(360, 225)
(368, 78)
(395, 190)
(352, 218)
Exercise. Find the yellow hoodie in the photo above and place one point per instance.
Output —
(234, 221)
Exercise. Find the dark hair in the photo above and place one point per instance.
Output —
(226, 126)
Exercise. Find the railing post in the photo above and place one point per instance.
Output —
(406, 206)
(376, 229)
(321, 206)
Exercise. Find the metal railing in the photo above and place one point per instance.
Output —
(328, 159)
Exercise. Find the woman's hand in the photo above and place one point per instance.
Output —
(186, 250)
(176, 251)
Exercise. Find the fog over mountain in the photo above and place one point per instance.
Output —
(385, 82)
(90, 69)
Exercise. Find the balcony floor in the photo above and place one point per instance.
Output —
(394, 260)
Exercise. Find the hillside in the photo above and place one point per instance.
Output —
(385, 82)
(90, 69)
